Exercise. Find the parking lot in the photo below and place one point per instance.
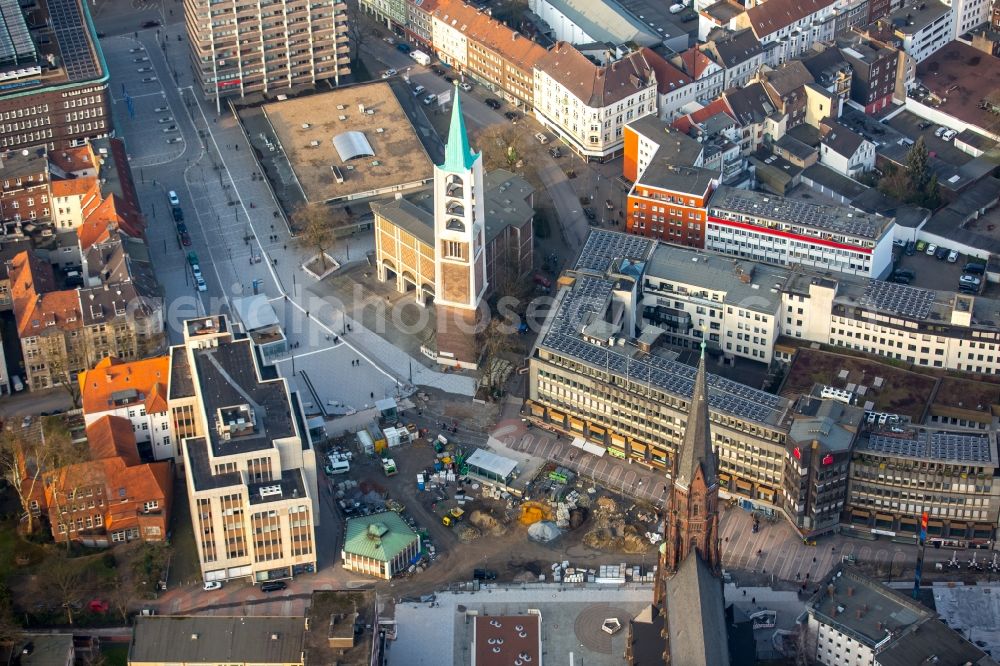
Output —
(932, 273)
(914, 126)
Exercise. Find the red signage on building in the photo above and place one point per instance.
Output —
(767, 231)
(797, 453)
(230, 82)
(828, 459)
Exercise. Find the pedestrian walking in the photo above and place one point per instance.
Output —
(373, 395)
(753, 600)
(744, 593)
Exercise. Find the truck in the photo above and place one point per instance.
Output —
(452, 517)
(389, 466)
(421, 57)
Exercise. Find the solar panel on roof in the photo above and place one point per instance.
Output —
(74, 44)
(899, 299)
(15, 40)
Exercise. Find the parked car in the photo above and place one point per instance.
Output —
(953, 256)
(904, 272)
(449, 79)
(403, 48)
(676, 9)
(466, 86)
(931, 249)
(555, 152)
(186, 239)
(437, 70)
(492, 103)
(970, 280)
(173, 198)
(512, 116)
(921, 246)
(150, 24)
(170, 128)
(925, 124)
(949, 135)
(975, 268)
(389, 72)
(430, 99)
(418, 91)
(273, 586)
(161, 109)
(910, 248)
(166, 119)
(178, 213)
(200, 281)
(211, 585)
(939, 132)
(589, 212)
(542, 139)
(941, 254)
(181, 228)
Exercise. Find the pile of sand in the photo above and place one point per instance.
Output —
(487, 523)
(532, 512)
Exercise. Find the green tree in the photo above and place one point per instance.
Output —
(932, 194)
(916, 166)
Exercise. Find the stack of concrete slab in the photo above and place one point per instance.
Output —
(611, 574)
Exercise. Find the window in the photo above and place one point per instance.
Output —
(151, 505)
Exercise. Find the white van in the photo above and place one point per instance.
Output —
(337, 467)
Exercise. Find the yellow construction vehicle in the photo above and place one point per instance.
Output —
(452, 517)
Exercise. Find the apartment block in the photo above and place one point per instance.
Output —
(874, 73)
(788, 28)
(586, 105)
(55, 81)
(854, 619)
(899, 473)
(478, 45)
(787, 232)
(112, 498)
(240, 47)
(921, 29)
(249, 462)
(135, 391)
(419, 26)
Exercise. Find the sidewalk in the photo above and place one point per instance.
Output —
(283, 258)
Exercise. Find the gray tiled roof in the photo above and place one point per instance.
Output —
(696, 615)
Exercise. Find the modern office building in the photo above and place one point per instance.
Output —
(250, 465)
(899, 473)
(790, 232)
(592, 375)
(260, 47)
(53, 78)
(921, 27)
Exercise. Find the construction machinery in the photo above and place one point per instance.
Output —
(452, 517)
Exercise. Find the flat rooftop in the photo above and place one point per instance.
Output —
(963, 76)
(914, 17)
(746, 283)
(865, 609)
(964, 448)
(305, 129)
(833, 219)
(227, 375)
(503, 639)
(48, 43)
(588, 299)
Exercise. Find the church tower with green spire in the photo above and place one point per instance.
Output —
(459, 221)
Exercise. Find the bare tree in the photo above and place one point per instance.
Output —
(67, 475)
(509, 147)
(66, 380)
(318, 225)
(495, 342)
(121, 595)
(64, 580)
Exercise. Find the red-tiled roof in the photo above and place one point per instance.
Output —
(111, 375)
(113, 437)
(668, 77)
(36, 305)
(773, 15)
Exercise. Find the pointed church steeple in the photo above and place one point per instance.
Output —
(696, 451)
(458, 155)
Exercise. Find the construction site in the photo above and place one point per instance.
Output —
(484, 511)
